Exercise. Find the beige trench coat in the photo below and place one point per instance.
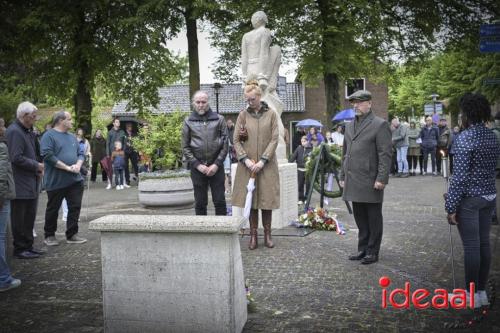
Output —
(262, 141)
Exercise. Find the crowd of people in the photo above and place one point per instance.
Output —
(56, 161)
(372, 149)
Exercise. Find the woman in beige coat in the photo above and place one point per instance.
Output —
(257, 155)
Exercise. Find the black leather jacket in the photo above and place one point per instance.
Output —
(204, 139)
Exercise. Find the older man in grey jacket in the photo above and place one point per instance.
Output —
(401, 143)
(364, 174)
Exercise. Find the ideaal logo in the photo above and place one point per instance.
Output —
(419, 298)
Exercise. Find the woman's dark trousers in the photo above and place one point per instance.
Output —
(474, 221)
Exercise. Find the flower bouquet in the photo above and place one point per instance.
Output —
(319, 218)
(251, 306)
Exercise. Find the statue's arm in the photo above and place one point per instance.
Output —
(244, 56)
(265, 44)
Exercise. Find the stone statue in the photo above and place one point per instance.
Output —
(260, 61)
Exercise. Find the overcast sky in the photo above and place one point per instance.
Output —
(208, 56)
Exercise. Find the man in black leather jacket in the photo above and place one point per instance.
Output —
(205, 146)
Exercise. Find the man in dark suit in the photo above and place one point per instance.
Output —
(24, 156)
(366, 162)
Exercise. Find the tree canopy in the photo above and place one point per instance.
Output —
(335, 40)
(60, 48)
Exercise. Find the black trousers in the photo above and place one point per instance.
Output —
(22, 219)
(200, 186)
(368, 217)
(73, 195)
(425, 152)
(133, 157)
(301, 179)
(93, 173)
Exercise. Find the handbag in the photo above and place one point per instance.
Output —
(243, 133)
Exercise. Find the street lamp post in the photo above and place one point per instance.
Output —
(217, 86)
(434, 98)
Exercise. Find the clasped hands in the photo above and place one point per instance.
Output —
(208, 170)
(254, 167)
(75, 168)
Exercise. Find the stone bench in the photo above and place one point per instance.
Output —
(165, 273)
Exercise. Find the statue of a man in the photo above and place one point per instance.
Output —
(260, 61)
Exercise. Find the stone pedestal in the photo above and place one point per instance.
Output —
(171, 273)
(166, 191)
(289, 197)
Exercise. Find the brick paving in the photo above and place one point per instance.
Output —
(304, 284)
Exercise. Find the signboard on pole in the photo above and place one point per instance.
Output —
(489, 35)
(429, 109)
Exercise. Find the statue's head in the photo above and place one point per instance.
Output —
(259, 19)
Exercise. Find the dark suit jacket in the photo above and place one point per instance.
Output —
(366, 158)
(23, 156)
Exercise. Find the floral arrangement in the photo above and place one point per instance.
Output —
(318, 218)
(250, 300)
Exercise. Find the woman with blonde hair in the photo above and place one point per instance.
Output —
(255, 142)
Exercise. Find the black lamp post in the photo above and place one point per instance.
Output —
(434, 98)
(217, 86)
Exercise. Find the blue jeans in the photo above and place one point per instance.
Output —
(474, 221)
(402, 161)
(118, 176)
(5, 277)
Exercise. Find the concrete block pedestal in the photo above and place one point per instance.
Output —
(171, 273)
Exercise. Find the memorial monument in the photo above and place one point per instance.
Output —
(260, 61)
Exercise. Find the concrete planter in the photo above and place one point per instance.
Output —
(174, 191)
(171, 273)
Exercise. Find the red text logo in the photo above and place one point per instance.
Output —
(423, 298)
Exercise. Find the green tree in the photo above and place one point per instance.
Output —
(62, 47)
(163, 132)
(335, 40)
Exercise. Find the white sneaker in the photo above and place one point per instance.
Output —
(482, 298)
(108, 187)
(477, 302)
(118, 187)
(125, 186)
(34, 233)
(300, 202)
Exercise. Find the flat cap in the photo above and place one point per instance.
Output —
(361, 96)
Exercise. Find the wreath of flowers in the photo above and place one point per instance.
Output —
(330, 164)
(319, 218)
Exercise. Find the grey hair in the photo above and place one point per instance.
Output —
(197, 93)
(58, 116)
(259, 16)
(25, 108)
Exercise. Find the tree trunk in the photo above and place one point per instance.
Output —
(194, 63)
(328, 52)
(84, 79)
(332, 94)
(83, 103)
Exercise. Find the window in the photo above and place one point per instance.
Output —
(353, 85)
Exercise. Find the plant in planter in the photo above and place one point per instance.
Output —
(160, 141)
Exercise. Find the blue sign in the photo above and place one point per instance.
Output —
(487, 30)
(489, 46)
(429, 109)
